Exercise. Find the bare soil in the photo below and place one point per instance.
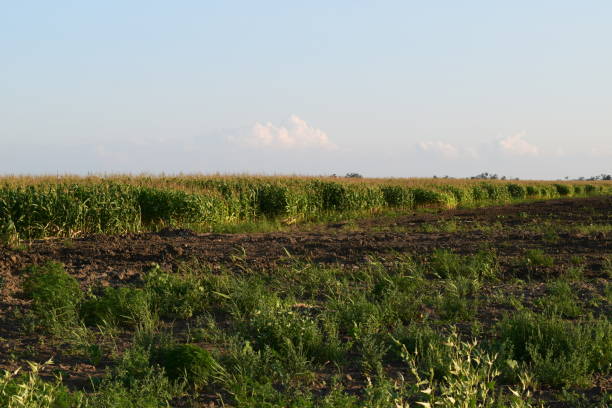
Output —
(510, 229)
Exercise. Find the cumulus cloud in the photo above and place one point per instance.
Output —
(447, 150)
(511, 146)
(444, 149)
(601, 151)
(294, 133)
(516, 145)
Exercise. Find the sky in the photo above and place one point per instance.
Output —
(381, 88)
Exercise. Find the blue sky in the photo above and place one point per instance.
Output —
(383, 88)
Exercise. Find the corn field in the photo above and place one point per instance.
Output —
(69, 206)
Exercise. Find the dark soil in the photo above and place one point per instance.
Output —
(511, 230)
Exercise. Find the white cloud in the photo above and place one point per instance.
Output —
(472, 152)
(518, 146)
(601, 151)
(445, 149)
(294, 133)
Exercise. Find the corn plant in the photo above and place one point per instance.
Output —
(71, 206)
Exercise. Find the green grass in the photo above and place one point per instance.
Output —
(388, 332)
(458, 300)
(559, 352)
(537, 257)
(560, 300)
(470, 376)
(55, 296)
(29, 390)
(186, 362)
(117, 306)
(446, 264)
(594, 228)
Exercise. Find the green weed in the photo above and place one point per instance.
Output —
(54, 293)
(427, 348)
(560, 353)
(122, 306)
(172, 295)
(371, 342)
(536, 258)
(561, 300)
(459, 301)
(446, 264)
(187, 362)
(607, 266)
(151, 390)
(281, 327)
(589, 229)
(470, 378)
(28, 390)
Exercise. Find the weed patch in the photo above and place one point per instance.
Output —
(559, 352)
(123, 306)
(54, 293)
(447, 264)
(186, 362)
(28, 390)
(561, 300)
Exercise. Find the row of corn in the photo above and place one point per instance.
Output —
(109, 207)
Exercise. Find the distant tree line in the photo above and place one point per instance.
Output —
(492, 176)
(600, 177)
(349, 175)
